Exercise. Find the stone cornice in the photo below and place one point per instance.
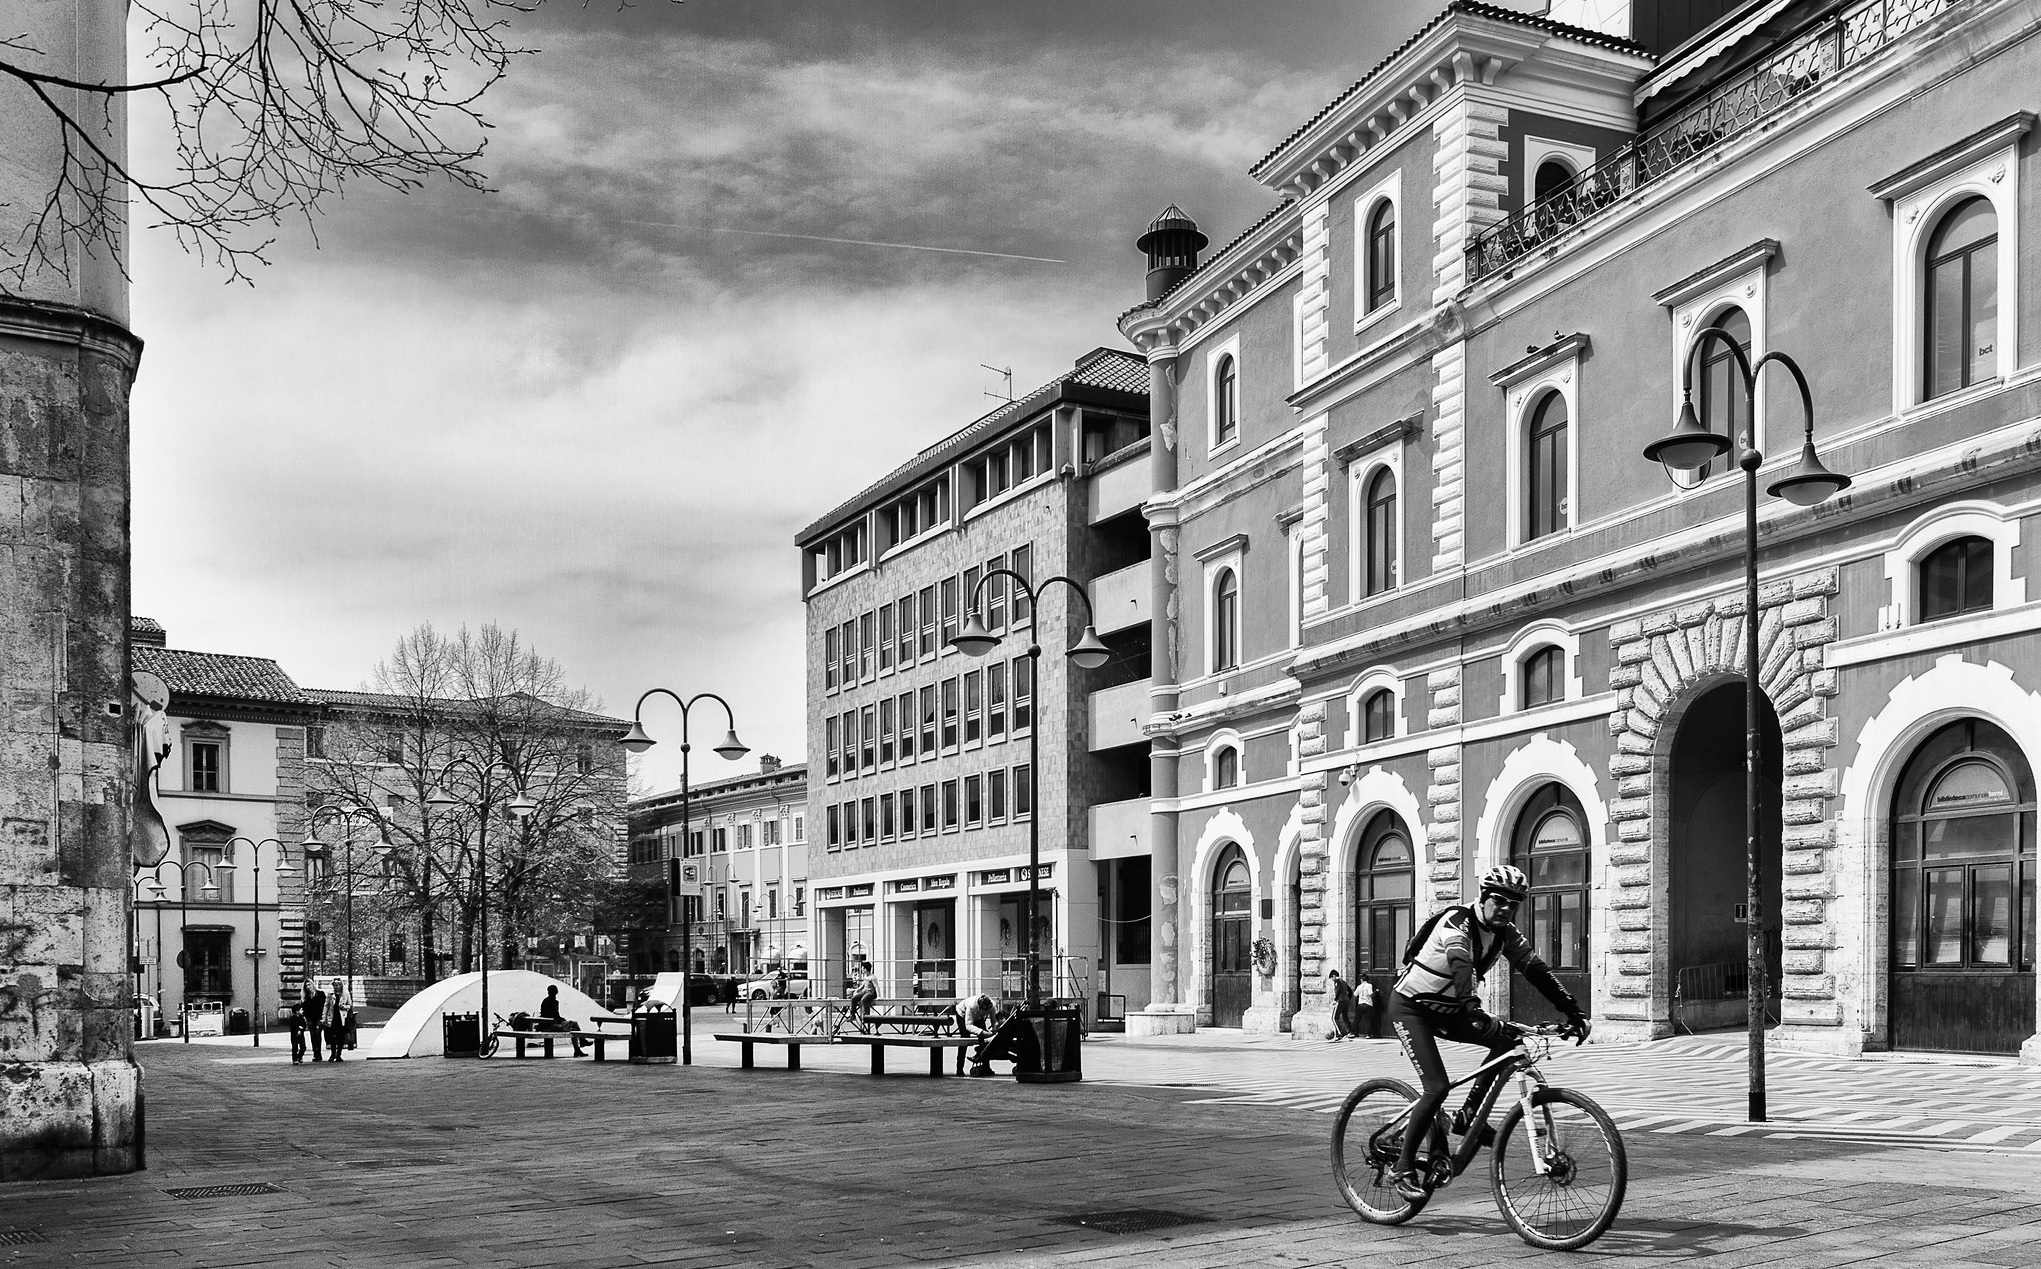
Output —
(65, 324)
(1347, 453)
(1565, 348)
(1258, 261)
(1960, 155)
(1763, 251)
(1213, 488)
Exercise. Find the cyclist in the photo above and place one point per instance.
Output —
(1435, 998)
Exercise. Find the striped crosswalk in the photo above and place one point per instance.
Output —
(1669, 1088)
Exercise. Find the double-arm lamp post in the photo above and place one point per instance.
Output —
(1087, 653)
(441, 798)
(183, 867)
(255, 949)
(638, 740)
(1689, 448)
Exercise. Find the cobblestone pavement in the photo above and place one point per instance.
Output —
(432, 1162)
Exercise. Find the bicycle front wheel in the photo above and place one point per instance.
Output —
(1575, 1200)
(1366, 1139)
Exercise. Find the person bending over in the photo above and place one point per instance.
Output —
(1435, 998)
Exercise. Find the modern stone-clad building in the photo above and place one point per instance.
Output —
(1429, 608)
(920, 782)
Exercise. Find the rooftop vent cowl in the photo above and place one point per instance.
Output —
(1172, 243)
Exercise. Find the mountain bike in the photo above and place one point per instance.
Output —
(1557, 1168)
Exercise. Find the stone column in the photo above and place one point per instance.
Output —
(70, 1093)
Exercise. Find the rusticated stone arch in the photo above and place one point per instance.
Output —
(1663, 662)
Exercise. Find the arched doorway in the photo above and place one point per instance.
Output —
(1293, 946)
(1385, 887)
(1550, 844)
(1707, 891)
(1962, 916)
(1232, 940)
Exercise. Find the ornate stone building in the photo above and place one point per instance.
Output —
(1429, 608)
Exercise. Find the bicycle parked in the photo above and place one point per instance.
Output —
(1557, 1169)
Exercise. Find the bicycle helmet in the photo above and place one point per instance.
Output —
(1506, 880)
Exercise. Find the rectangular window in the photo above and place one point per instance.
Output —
(315, 742)
(973, 601)
(835, 829)
(584, 759)
(928, 808)
(830, 652)
(949, 713)
(907, 819)
(1023, 791)
(799, 825)
(995, 795)
(974, 707)
(905, 625)
(886, 822)
(868, 731)
(850, 824)
(205, 766)
(1023, 693)
(800, 901)
(850, 745)
(886, 732)
(949, 592)
(995, 702)
(722, 840)
(949, 805)
(886, 637)
(928, 720)
(928, 622)
(867, 640)
(834, 732)
(1022, 563)
(995, 595)
(974, 801)
(1024, 458)
(871, 820)
(907, 727)
(744, 837)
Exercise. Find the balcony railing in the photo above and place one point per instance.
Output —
(1855, 33)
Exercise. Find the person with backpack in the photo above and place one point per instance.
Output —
(1436, 998)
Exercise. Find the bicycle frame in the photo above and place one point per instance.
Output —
(1523, 1064)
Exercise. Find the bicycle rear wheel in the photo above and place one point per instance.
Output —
(1574, 1202)
(1364, 1150)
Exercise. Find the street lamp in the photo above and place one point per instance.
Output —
(1688, 448)
(138, 887)
(1088, 653)
(255, 950)
(442, 799)
(638, 740)
(347, 816)
(183, 867)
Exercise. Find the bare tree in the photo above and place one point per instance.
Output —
(272, 106)
(481, 719)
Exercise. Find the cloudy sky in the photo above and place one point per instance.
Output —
(596, 404)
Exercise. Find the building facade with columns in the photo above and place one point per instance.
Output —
(920, 780)
(1431, 609)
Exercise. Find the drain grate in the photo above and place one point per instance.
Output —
(16, 1237)
(1132, 1220)
(225, 1191)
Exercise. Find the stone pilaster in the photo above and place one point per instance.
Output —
(1314, 525)
(1314, 293)
(1445, 867)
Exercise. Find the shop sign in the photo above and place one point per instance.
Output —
(906, 887)
(995, 877)
(858, 892)
(939, 883)
(827, 893)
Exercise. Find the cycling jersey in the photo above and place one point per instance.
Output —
(1445, 975)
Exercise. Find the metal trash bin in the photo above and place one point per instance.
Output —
(460, 1035)
(237, 1022)
(655, 1034)
(1059, 1041)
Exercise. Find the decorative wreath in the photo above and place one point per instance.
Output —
(1265, 956)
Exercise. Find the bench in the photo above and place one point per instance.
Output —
(548, 1038)
(793, 1044)
(935, 1044)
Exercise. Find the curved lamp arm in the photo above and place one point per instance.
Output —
(975, 640)
(638, 740)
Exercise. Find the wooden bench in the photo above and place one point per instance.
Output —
(547, 1038)
(793, 1044)
(935, 1044)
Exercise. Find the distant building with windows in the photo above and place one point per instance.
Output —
(226, 931)
(919, 777)
(1426, 608)
(748, 838)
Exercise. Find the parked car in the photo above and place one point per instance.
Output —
(763, 988)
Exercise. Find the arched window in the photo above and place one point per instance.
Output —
(1379, 571)
(1232, 944)
(1960, 331)
(1955, 578)
(1544, 676)
(1721, 401)
(1381, 255)
(1226, 768)
(1384, 888)
(1550, 845)
(1553, 177)
(1378, 716)
(1225, 621)
(1225, 401)
(1545, 501)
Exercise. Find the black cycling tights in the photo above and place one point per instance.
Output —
(1420, 1030)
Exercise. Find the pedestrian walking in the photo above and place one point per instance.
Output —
(1343, 1008)
(312, 1011)
(339, 1010)
(1367, 1014)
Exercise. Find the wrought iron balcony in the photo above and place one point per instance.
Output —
(1854, 34)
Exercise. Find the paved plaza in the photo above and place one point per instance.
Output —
(1199, 1150)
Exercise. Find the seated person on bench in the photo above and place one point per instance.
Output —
(1013, 1042)
(550, 1019)
(864, 992)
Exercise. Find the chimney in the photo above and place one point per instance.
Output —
(1172, 243)
(147, 630)
(767, 764)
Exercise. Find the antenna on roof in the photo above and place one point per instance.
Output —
(1007, 372)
